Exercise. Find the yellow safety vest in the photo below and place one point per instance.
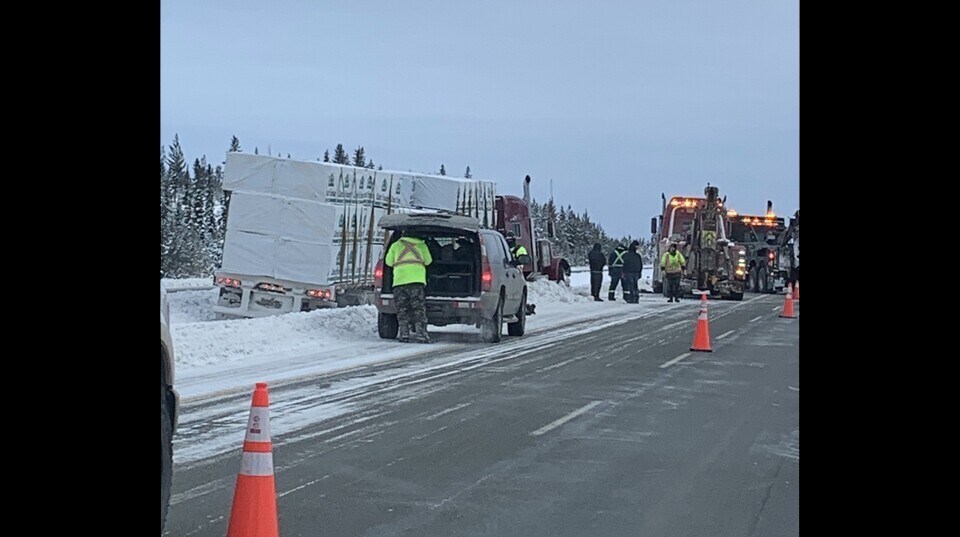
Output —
(672, 262)
(409, 258)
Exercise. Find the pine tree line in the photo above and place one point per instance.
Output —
(575, 234)
(192, 222)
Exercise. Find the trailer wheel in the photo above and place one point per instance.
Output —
(752, 280)
(387, 325)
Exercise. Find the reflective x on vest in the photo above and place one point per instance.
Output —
(403, 259)
(618, 262)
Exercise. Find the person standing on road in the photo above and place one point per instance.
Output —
(597, 262)
(409, 257)
(615, 262)
(672, 265)
(632, 265)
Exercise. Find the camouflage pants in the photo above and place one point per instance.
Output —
(411, 309)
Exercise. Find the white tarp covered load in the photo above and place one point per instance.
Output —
(311, 221)
(279, 237)
(318, 181)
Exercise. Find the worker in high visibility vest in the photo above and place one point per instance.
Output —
(409, 257)
(516, 250)
(672, 265)
(615, 262)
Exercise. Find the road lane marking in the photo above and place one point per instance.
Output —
(447, 411)
(725, 334)
(561, 364)
(554, 424)
(675, 360)
(755, 319)
(303, 486)
(776, 309)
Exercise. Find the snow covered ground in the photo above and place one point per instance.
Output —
(220, 356)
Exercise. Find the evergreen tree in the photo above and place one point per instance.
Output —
(370, 164)
(443, 171)
(234, 145)
(164, 210)
(340, 156)
(326, 155)
(466, 174)
(380, 167)
(358, 159)
(256, 150)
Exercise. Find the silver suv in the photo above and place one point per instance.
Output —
(472, 280)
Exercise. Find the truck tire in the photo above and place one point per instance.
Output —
(762, 280)
(166, 452)
(752, 280)
(492, 329)
(563, 274)
(387, 325)
(518, 327)
(736, 296)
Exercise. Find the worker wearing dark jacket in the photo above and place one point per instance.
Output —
(597, 262)
(615, 262)
(632, 265)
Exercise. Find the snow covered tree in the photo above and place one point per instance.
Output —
(370, 164)
(340, 156)
(235, 145)
(466, 174)
(326, 155)
(443, 171)
(358, 158)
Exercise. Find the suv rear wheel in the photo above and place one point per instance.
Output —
(166, 451)
(520, 326)
(492, 329)
(387, 325)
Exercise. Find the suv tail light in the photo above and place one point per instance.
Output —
(378, 275)
(486, 276)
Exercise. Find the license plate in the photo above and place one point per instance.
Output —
(267, 302)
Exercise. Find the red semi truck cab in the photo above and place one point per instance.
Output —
(513, 214)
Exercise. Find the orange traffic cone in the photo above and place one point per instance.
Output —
(796, 292)
(701, 340)
(254, 512)
(788, 305)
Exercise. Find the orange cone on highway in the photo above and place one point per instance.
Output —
(788, 305)
(701, 340)
(254, 512)
(796, 292)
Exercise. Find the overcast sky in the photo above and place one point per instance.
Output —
(615, 102)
